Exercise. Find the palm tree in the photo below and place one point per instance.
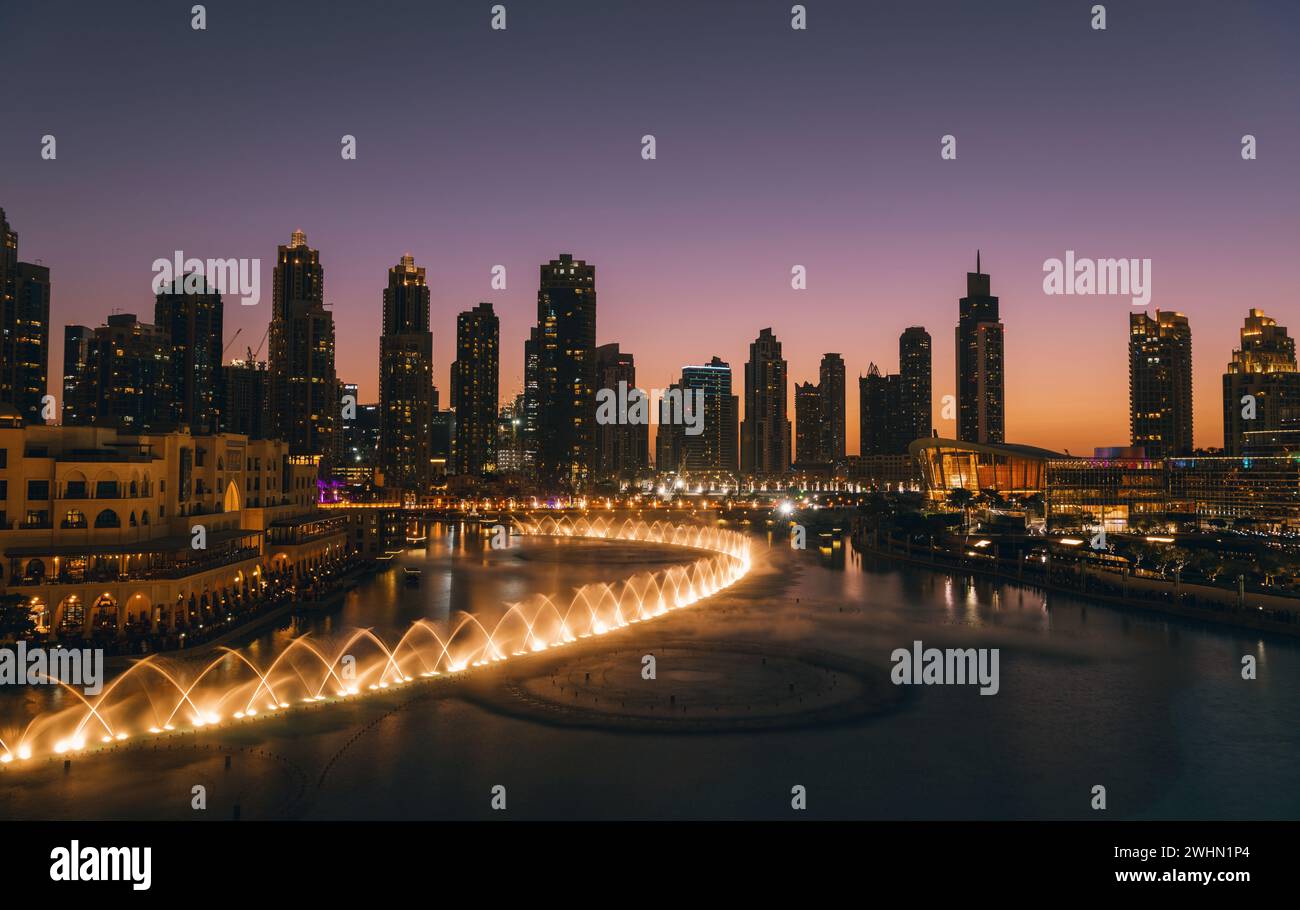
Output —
(961, 498)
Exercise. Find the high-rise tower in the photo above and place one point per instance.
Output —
(406, 381)
(565, 347)
(765, 431)
(1160, 383)
(981, 407)
(193, 322)
(831, 388)
(302, 388)
(1261, 388)
(474, 390)
(24, 329)
(914, 384)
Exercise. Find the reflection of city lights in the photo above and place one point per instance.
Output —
(303, 670)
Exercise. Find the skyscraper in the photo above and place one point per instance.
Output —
(406, 380)
(807, 424)
(474, 390)
(1263, 368)
(831, 388)
(126, 382)
(510, 437)
(670, 437)
(714, 448)
(566, 372)
(880, 413)
(193, 322)
(980, 401)
(360, 430)
(532, 400)
(914, 384)
(76, 356)
(622, 449)
(244, 385)
(8, 328)
(302, 387)
(765, 431)
(1160, 383)
(24, 329)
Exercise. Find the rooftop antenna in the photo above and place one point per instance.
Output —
(977, 263)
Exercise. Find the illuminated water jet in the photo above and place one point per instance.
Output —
(148, 698)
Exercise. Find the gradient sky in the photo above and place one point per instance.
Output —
(775, 147)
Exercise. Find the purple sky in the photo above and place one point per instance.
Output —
(775, 147)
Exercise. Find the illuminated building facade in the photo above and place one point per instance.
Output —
(981, 407)
(1261, 388)
(510, 437)
(765, 431)
(532, 398)
(1009, 470)
(245, 387)
(882, 472)
(1256, 492)
(76, 356)
(474, 391)
(302, 387)
(1118, 493)
(807, 424)
(125, 381)
(1160, 383)
(97, 527)
(193, 324)
(1141, 494)
(564, 400)
(406, 381)
(24, 328)
(714, 448)
(1122, 490)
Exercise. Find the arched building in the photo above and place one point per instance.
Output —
(107, 532)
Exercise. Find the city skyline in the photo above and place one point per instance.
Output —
(288, 282)
(578, 411)
(720, 202)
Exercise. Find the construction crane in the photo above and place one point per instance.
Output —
(261, 343)
(252, 355)
(229, 343)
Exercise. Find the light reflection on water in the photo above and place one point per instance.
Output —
(1153, 709)
(460, 573)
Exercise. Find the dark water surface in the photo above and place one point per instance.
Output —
(1154, 710)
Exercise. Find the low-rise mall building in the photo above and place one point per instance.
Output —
(108, 533)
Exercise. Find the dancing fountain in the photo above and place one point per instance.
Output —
(154, 698)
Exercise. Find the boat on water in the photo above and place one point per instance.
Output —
(411, 576)
(387, 561)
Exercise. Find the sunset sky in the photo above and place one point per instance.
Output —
(775, 147)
